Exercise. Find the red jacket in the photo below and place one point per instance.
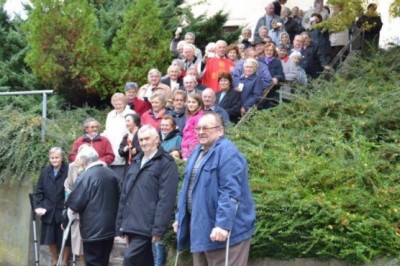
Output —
(101, 144)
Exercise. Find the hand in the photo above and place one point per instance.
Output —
(133, 151)
(126, 148)
(218, 234)
(40, 211)
(242, 110)
(275, 81)
(175, 226)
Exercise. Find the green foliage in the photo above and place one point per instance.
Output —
(65, 48)
(21, 148)
(211, 30)
(395, 8)
(324, 168)
(141, 43)
(14, 73)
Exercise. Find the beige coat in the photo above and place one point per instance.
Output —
(76, 240)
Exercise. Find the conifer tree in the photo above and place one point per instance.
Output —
(14, 73)
(66, 50)
(141, 43)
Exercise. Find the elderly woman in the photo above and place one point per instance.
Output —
(137, 105)
(194, 110)
(129, 146)
(92, 137)
(276, 71)
(171, 137)
(116, 129)
(228, 98)
(154, 85)
(232, 52)
(371, 24)
(49, 203)
(249, 85)
(173, 79)
(284, 39)
(155, 114)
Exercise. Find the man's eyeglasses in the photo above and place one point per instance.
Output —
(204, 129)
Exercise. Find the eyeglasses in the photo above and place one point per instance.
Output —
(93, 127)
(205, 129)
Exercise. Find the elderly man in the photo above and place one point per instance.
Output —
(246, 35)
(147, 201)
(298, 44)
(95, 198)
(190, 85)
(217, 65)
(189, 38)
(208, 96)
(215, 207)
(267, 19)
(190, 60)
(319, 9)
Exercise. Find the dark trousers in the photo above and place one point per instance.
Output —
(97, 253)
(139, 251)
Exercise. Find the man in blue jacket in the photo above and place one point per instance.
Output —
(215, 207)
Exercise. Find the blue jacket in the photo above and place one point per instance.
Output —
(253, 89)
(221, 197)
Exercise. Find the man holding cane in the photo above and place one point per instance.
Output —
(216, 213)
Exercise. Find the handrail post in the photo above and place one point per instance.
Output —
(44, 116)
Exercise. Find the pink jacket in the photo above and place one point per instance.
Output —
(189, 139)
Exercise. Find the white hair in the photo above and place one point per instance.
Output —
(87, 154)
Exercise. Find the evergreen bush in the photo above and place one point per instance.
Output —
(324, 169)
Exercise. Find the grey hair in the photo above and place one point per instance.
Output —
(148, 129)
(87, 154)
(191, 34)
(152, 71)
(190, 46)
(189, 78)
(55, 149)
(88, 121)
(251, 61)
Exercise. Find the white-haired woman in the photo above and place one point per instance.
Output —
(154, 85)
(49, 204)
(116, 129)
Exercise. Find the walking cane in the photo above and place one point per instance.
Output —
(35, 243)
(227, 249)
(176, 258)
(71, 219)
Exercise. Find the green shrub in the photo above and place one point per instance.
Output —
(324, 169)
(21, 149)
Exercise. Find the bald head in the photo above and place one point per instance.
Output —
(208, 96)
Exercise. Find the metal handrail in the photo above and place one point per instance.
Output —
(44, 104)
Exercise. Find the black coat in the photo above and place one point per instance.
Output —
(50, 193)
(148, 196)
(124, 142)
(231, 103)
(95, 198)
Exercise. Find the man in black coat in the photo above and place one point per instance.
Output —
(95, 198)
(147, 200)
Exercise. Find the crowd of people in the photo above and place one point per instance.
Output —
(124, 181)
